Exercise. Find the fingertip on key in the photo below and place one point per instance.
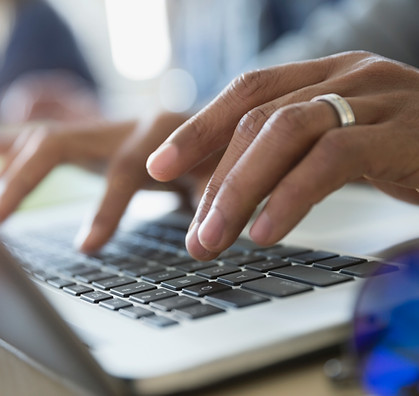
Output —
(88, 239)
(195, 248)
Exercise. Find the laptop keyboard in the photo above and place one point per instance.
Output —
(148, 275)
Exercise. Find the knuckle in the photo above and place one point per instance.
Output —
(292, 118)
(197, 125)
(375, 70)
(248, 84)
(290, 125)
(251, 123)
(210, 192)
(201, 130)
(208, 197)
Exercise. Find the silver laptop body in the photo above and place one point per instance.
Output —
(126, 355)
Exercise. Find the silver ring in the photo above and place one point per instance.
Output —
(342, 107)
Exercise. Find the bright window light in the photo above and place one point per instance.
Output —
(139, 37)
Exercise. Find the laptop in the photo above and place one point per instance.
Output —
(142, 317)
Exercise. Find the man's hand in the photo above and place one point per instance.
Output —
(282, 146)
(31, 151)
(124, 147)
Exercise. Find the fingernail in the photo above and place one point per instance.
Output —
(193, 245)
(162, 159)
(262, 229)
(211, 231)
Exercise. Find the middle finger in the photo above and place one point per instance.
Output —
(283, 141)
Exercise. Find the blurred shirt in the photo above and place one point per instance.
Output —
(41, 41)
(214, 40)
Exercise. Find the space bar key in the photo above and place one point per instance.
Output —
(276, 287)
(235, 298)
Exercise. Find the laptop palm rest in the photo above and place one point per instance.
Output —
(30, 325)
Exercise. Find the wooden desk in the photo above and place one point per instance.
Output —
(302, 377)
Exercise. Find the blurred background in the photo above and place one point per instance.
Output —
(141, 56)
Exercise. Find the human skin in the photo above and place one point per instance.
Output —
(48, 95)
(31, 150)
(280, 146)
(260, 138)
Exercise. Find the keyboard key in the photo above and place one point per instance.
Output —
(140, 270)
(283, 251)
(197, 311)
(77, 269)
(267, 265)
(127, 290)
(338, 263)
(244, 246)
(115, 304)
(229, 253)
(159, 321)
(215, 272)
(137, 260)
(43, 275)
(235, 298)
(240, 277)
(168, 304)
(311, 257)
(77, 290)
(118, 265)
(163, 276)
(174, 261)
(276, 287)
(95, 297)
(186, 281)
(175, 236)
(158, 255)
(135, 312)
(110, 283)
(369, 268)
(59, 283)
(193, 266)
(310, 275)
(152, 295)
(94, 276)
(205, 288)
(243, 259)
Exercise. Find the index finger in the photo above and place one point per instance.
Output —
(212, 128)
(126, 175)
(124, 178)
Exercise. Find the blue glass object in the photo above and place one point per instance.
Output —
(386, 330)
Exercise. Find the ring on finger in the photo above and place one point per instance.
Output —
(341, 106)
